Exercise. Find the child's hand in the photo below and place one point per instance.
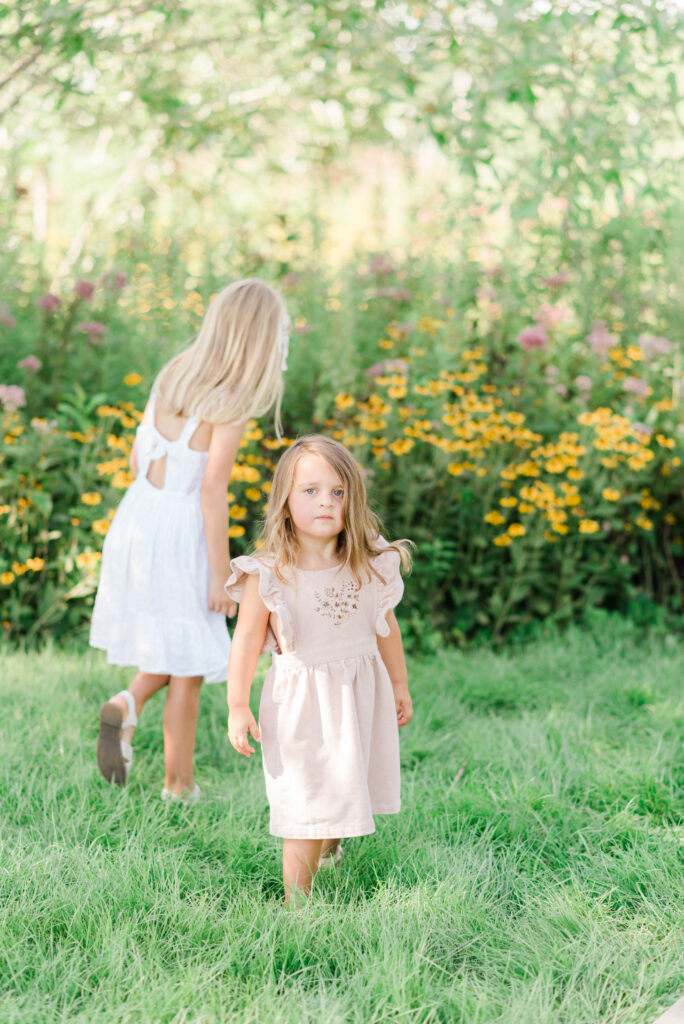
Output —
(219, 600)
(404, 705)
(241, 722)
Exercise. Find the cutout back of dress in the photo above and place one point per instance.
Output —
(183, 467)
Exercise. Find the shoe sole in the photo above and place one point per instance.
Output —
(109, 758)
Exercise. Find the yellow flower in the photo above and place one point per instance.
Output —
(101, 526)
(35, 564)
(400, 447)
(396, 392)
(131, 379)
(88, 559)
(665, 442)
(4, 509)
(238, 512)
(516, 530)
(108, 410)
(6, 578)
(253, 494)
(344, 401)
(495, 518)
(236, 531)
(509, 502)
(122, 479)
(644, 523)
(524, 508)
(588, 526)
(18, 569)
(575, 474)
(386, 343)
(502, 541)
(92, 498)
(247, 474)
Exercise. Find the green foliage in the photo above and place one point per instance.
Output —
(529, 497)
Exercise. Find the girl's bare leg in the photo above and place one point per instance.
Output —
(144, 686)
(300, 864)
(329, 846)
(180, 726)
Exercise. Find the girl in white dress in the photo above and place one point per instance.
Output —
(161, 603)
(319, 594)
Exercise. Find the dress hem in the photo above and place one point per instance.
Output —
(211, 675)
(330, 831)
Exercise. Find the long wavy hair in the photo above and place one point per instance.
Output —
(359, 541)
(232, 371)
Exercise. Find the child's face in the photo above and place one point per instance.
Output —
(316, 499)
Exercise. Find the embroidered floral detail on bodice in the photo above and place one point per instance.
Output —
(337, 603)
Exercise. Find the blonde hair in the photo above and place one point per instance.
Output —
(232, 371)
(357, 544)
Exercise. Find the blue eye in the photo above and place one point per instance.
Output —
(338, 492)
(310, 490)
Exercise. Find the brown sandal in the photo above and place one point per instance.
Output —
(114, 755)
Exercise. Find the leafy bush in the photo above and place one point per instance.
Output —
(536, 462)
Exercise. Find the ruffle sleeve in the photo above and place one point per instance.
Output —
(270, 593)
(389, 593)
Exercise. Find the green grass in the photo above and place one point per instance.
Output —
(546, 883)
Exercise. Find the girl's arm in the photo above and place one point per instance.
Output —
(392, 653)
(225, 440)
(248, 641)
(133, 458)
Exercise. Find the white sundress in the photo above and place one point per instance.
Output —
(151, 609)
(329, 736)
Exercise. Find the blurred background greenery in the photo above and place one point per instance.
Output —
(475, 214)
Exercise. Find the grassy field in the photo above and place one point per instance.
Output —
(544, 882)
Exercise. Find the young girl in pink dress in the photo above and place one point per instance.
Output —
(319, 594)
(160, 604)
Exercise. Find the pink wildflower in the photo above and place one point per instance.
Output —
(643, 429)
(583, 383)
(550, 316)
(560, 389)
(92, 328)
(556, 280)
(114, 279)
(31, 363)
(6, 318)
(381, 265)
(301, 329)
(48, 303)
(494, 272)
(84, 289)
(551, 373)
(635, 386)
(652, 346)
(404, 329)
(396, 294)
(601, 340)
(376, 370)
(12, 397)
(532, 337)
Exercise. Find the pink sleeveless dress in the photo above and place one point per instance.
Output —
(329, 736)
(151, 609)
